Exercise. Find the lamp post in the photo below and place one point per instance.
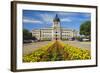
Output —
(56, 36)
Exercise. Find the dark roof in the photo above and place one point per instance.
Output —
(56, 18)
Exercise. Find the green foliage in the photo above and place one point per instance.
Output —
(64, 39)
(85, 28)
(26, 34)
(46, 39)
(79, 38)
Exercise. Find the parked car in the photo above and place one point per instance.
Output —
(27, 41)
(84, 39)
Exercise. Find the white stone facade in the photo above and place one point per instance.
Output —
(54, 32)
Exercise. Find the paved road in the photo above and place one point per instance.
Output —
(83, 45)
(29, 48)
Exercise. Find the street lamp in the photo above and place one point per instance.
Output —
(56, 35)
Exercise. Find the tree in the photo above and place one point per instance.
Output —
(26, 34)
(85, 29)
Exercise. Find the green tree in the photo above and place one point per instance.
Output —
(85, 29)
(26, 34)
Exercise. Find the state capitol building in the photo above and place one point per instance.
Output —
(54, 32)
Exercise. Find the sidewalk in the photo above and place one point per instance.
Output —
(29, 48)
(83, 45)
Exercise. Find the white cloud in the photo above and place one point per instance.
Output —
(66, 20)
(87, 15)
(63, 13)
(66, 13)
(28, 20)
(47, 17)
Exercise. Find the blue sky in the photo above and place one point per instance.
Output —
(33, 19)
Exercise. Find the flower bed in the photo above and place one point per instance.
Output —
(57, 51)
